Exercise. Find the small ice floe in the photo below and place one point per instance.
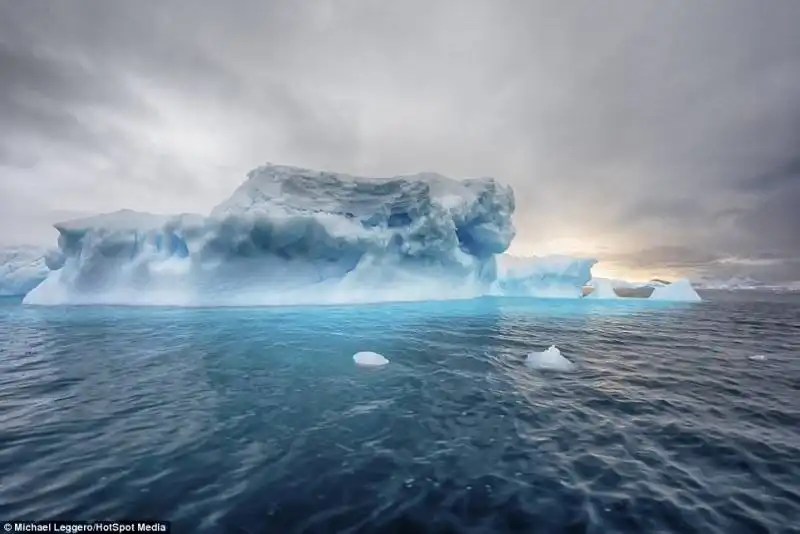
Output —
(757, 357)
(369, 359)
(550, 359)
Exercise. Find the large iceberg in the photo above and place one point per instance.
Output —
(295, 236)
(21, 269)
(292, 236)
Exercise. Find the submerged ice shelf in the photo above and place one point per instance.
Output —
(289, 235)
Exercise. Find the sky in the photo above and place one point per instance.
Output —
(660, 137)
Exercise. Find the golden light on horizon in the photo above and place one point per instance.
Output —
(591, 249)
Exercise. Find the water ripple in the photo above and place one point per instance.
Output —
(257, 420)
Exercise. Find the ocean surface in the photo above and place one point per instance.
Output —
(258, 421)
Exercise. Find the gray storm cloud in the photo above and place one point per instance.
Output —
(654, 134)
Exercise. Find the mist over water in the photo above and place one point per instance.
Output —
(259, 420)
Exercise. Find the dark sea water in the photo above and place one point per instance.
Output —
(257, 420)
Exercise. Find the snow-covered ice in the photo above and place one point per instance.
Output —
(289, 235)
(555, 276)
(293, 236)
(603, 288)
(679, 290)
(560, 276)
(608, 289)
(550, 359)
(21, 269)
(369, 359)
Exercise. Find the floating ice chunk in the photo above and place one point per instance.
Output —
(758, 357)
(679, 291)
(550, 359)
(368, 358)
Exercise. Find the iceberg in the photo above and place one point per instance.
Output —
(549, 360)
(369, 359)
(294, 236)
(289, 235)
(21, 269)
(555, 276)
(678, 291)
(603, 288)
(559, 276)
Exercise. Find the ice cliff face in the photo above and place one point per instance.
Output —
(21, 269)
(292, 236)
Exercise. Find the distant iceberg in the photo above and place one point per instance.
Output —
(21, 269)
(747, 284)
(677, 291)
(680, 290)
(555, 276)
(560, 276)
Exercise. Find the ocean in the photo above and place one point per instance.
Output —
(257, 420)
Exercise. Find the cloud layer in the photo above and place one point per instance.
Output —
(655, 135)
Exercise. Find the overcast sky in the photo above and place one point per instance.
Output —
(662, 136)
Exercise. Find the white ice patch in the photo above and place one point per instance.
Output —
(21, 269)
(555, 276)
(550, 359)
(603, 288)
(369, 359)
(678, 291)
